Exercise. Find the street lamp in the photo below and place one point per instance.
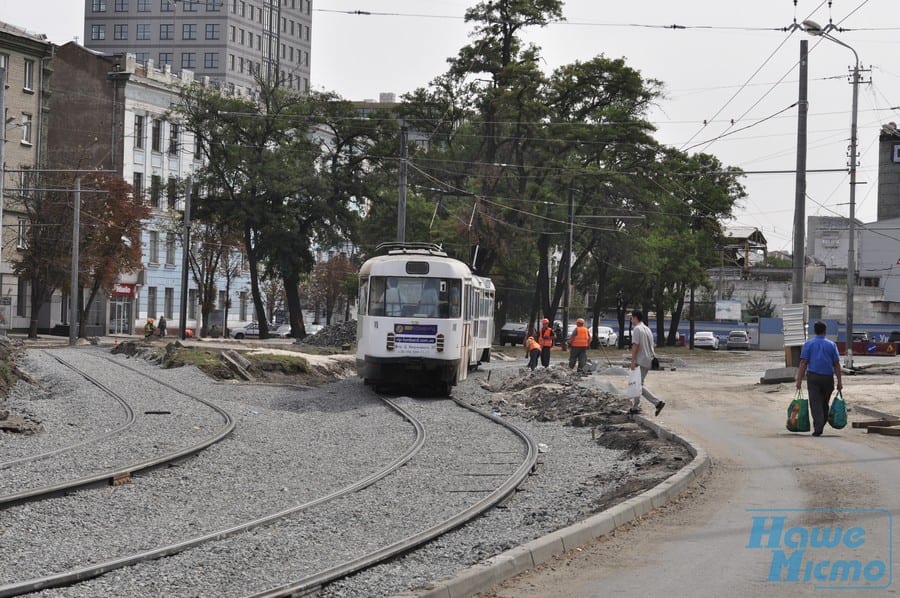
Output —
(814, 28)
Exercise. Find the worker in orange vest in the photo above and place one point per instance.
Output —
(533, 350)
(578, 345)
(548, 337)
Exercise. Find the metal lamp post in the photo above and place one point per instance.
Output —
(813, 28)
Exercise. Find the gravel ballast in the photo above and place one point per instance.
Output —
(291, 444)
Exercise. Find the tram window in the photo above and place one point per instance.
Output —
(419, 268)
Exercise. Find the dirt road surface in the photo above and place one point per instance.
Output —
(779, 513)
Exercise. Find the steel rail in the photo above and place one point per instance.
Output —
(74, 576)
(312, 583)
(129, 421)
(133, 468)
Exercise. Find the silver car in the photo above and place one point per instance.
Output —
(738, 339)
(251, 330)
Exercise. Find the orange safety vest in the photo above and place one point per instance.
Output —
(581, 337)
(532, 345)
(547, 337)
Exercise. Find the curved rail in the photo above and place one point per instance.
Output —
(77, 575)
(119, 473)
(129, 421)
(312, 583)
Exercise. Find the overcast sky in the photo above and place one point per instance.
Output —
(731, 62)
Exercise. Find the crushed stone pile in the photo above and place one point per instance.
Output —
(335, 335)
(551, 394)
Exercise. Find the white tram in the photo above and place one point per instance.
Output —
(423, 318)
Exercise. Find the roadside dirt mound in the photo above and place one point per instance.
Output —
(557, 394)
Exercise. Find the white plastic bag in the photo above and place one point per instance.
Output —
(635, 384)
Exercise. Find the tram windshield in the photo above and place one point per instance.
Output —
(414, 297)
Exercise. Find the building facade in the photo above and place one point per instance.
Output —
(232, 42)
(25, 59)
(112, 113)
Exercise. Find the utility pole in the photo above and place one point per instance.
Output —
(566, 299)
(73, 294)
(185, 259)
(401, 197)
(800, 185)
(799, 257)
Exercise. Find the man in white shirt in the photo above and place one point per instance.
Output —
(642, 355)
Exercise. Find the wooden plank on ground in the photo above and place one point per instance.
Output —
(877, 422)
(884, 430)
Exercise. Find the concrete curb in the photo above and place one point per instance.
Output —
(492, 571)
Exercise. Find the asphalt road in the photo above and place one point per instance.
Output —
(779, 513)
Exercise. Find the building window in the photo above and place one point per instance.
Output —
(165, 59)
(98, 31)
(156, 134)
(137, 186)
(153, 250)
(27, 123)
(222, 300)
(166, 6)
(21, 297)
(155, 190)
(169, 302)
(211, 60)
(143, 31)
(213, 5)
(121, 5)
(212, 31)
(143, 5)
(173, 139)
(188, 60)
(98, 5)
(189, 31)
(120, 31)
(192, 304)
(167, 31)
(22, 234)
(242, 309)
(28, 82)
(231, 62)
(141, 57)
(151, 302)
(138, 131)
(189, 5)
(170, 249)
(172, 193)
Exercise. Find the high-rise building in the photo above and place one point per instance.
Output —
(233, 42)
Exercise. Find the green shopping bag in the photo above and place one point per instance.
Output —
(837, 414)
(798, 414)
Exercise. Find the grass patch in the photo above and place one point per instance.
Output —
(288, 364)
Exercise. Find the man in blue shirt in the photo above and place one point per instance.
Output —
(820, 362)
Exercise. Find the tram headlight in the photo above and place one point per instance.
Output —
(389, 344)
(439, 343)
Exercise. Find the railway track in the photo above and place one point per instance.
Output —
(224, 540)
(113, 456)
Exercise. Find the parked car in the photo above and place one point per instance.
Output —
(251, 330)
(513, 333)
(738, 339)
(706, 340)
(606, 336)
(861, 337)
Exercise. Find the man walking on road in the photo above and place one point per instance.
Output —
(578, 345)
(820, 362)
(642, 355)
